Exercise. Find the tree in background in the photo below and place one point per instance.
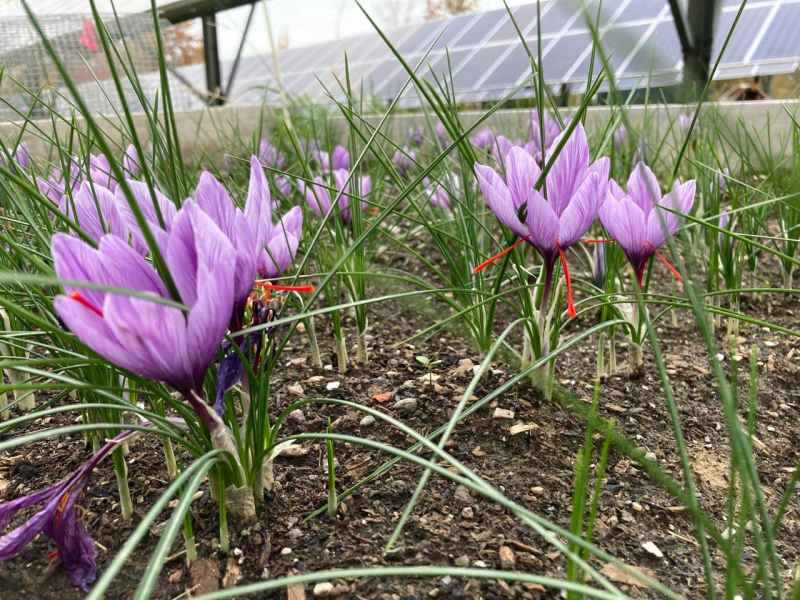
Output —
(441, 8)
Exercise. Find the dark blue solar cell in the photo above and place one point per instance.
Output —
(781, 39)
(421, 38)
(743, 36)
(507, 73)
(455, 30)
(565, 53)
(525, 17)
(475, 67)
(479, 29)
(661, 52)
(618, 43)
(638, 10)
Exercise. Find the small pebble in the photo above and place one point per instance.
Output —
(406, 405)
(286, 551)
(323, 589)
(462, 561)
(297, 416)
(295, 533)
(480, 564)
(468, 513)
(367, 421)
(332, 385)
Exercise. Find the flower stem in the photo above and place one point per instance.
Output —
(121, 472)
(188, 539)
(169, 458)
(362, 353)
(316, 357)
(224, 536)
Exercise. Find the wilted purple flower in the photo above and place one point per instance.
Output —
(575, 189)
(484, 139)
(150, 339)
(319, 199)
(620, 138)
(636, 219)
(599, 265)
(415, 136)
(60, 520)
(130, 161)
(404, 160)
(270, 156)
(551, 131)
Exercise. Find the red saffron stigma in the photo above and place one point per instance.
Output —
(665, 261)
(571, 312)
(303, 289)
(497, 256)
(81, 299)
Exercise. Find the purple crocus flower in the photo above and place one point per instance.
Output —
(100, 171)
(319, 199)
(284, 185)
(484, 139)
(636, 218)
(59, 519)
(246, 230)
(130, 161)
(620, 138)
(437, 195)
(149, 339)
(684, 122)
(338, 159)
(574, 187)
(270, 156)
(97, 212)
(551, 131)
(404, 160)
(441, 134)
(281, 242)
(22, 155)
(415, 136)
(159, 214)
(502, 146)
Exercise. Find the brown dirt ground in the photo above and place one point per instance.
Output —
(449, 527)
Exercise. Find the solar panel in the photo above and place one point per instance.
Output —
(487, 60)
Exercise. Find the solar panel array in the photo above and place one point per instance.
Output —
(483, 55)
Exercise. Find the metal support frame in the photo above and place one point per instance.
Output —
(211, 56)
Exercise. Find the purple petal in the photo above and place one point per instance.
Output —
(96, 224)
(215, 201)
(498, 198)
(542, 223)
(568, 170)
(522, 172)
(625, 222)
(130, 161)
(317, 197)
(582, 210)
(643, 187)
(259, 202)
(340, 158)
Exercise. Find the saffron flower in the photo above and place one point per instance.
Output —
(438, 195)
(484, 139)
(502, 146)
(150, 339)
(246, 230)
(270, 156)
(21, 156)
(97, 212)
(441, 134)
(285, 187)
(404, 160)
(338, 159)
(130, 161)
(637, 218)
(552, 223)
(684, 122)
(415, 136)
(57, 186)
(281, 242)
(318, 197)
(59, 519)
(158, 210)
(620, 137)
(551, 131)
